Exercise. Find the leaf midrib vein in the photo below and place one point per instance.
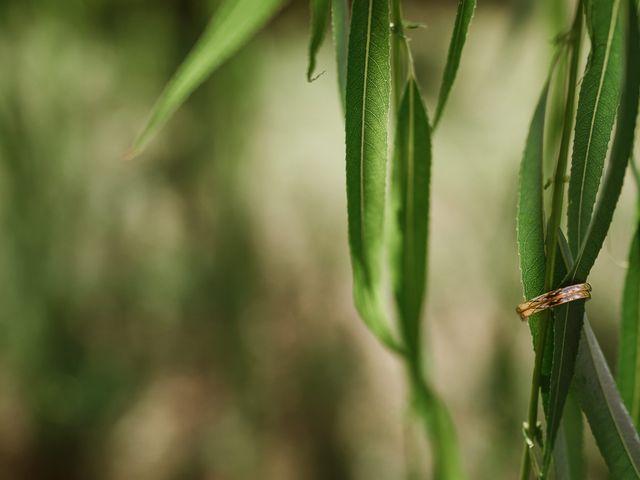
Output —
(362, 136)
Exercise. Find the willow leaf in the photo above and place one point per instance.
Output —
(320, 10)
(567, 324)
(601, 403)
(597, 106)
(410, 200)
(340, 28)
(629, 355)
(466, 8)
(233, 24)
(608, 418)
(568, 452)
(410, 204)
(620, 154)
(530, 221)
(367, 113)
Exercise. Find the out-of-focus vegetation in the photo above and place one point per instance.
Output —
(188, 314)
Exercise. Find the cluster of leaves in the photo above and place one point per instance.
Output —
(373, 60)
(376, 79)
(568, 359)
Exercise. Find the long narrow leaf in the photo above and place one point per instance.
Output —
(233, 24)
(568, 451)
(367, 113)
(597, 106)
(530, 218)
(340, 27)
(629, 355)
(608, 418)
(567, 324)
(410, 206)
(601, 402)
(410, 202)
(620, 154)
(320, 10)
(466, 8)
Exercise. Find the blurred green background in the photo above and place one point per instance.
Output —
(188, 314)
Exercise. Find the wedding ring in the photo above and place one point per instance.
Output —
(581, 291)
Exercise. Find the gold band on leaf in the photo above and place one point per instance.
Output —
(581, 291)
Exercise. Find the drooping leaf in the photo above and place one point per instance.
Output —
(367, 111)
(410, 189)
(620, 154)
(601, 402)
(530, 218)
(597, 106)
(568, 455)
(410, 203)
(567, 324)
(466, 8)
(320, 10)
(608, 418)
(629, 354)
(232, 25)
(340, 27)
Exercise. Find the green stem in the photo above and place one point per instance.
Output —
(552, 230)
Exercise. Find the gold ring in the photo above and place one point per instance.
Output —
(553, 299)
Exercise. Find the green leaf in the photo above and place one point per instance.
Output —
(530, 217)
(410, 189)
(233, 24)
(568, 452)
(367, 113)
(340, 27)
(600, 400)
(608, 418)
(319, 18)
(629, 355)
(567, 324)
(620, 154)
(466, 8)
(597, 106)
(410, 204)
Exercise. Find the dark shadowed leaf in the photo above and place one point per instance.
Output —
(620, 154)
(597, 106)
(608, 418)
(567, 323)
(629, 355)
(568, 453)
(601, 402)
